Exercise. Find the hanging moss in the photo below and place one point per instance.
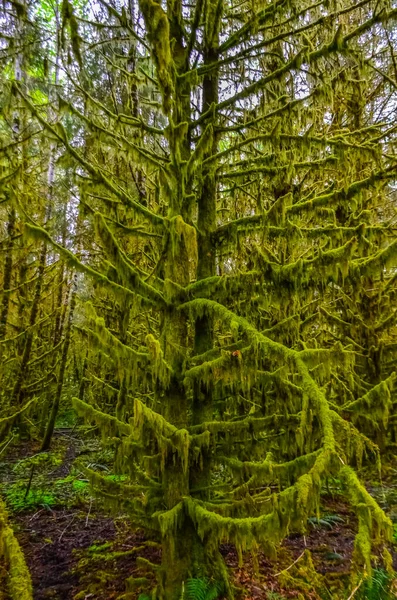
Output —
(125, 268)
(109, 424)
(376, 404)
(166, 433)
(74, 262)
(159, 33)
(69, 19)
(373, 523)
(7, 422)
(161, 369)
(181, 232)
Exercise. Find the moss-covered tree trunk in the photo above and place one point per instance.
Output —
(203, 393)
(183, 553)
(7, 273)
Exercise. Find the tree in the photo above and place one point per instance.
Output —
(228, 158)
(30, 283)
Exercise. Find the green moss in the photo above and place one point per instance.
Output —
(159, 33)
(19, 580)
(108, 423)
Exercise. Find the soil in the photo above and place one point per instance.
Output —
(70, 549)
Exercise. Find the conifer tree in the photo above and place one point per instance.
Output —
(229, 158)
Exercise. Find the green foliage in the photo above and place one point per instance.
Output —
(67, 491)
(202, 589)
(99, 547)
(80, 486)
(18, 500)
(196, 589)
(66, 418)
(327, 521)
(377, 587)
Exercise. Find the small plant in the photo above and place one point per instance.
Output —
(378, 587)
(202, 589)
(67, 419)
(327, 521)
(18, 500)
(103, 547)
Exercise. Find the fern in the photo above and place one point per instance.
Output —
(202, 589)
(327, 521)
(378, 587)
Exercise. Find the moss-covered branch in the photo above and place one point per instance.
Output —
(108, 423)
(73, 261)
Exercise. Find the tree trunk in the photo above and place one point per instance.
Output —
(7, 273)
(17, 393)
(57, 399)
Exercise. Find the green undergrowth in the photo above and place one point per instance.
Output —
(39, 481)
(68, 492)
(302, 581)
(66, 419)
(327, 521)
(202, 589)
(381, 586)
(32, 483)
(71, 491)
(18, 501)
(196, 589)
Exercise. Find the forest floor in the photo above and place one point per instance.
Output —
(76, 551)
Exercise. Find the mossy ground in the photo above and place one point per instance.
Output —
(75, 550)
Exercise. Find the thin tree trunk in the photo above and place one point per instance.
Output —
(8, 264)
(57, 398)
(58, 330)
(17, 395)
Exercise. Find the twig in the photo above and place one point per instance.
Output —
(29, 483)
(5, 446)
(88, 514)
(67, 526)
(355, 590)
(288, 568)
(36, 514)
